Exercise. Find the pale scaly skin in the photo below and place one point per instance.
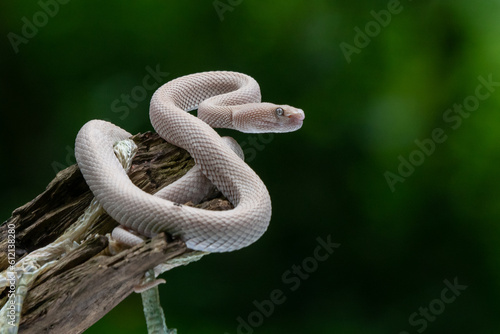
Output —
(223, 99)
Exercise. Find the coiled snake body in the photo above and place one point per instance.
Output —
(223, 99)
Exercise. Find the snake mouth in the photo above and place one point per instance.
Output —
(294, 113)
(296, 117)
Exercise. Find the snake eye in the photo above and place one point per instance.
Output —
(280, 111)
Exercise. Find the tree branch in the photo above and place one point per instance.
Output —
(86, 284)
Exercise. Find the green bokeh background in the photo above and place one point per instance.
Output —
(397, 245)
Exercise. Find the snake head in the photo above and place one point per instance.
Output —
(267, 117)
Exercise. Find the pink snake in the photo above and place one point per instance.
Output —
(224, 100)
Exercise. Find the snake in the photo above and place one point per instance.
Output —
(223, 99)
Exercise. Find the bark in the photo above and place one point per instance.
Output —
(85, 284)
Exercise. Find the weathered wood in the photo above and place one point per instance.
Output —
(85, 284)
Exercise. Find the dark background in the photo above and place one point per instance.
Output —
(365, 113)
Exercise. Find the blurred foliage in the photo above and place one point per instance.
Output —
(362, 117)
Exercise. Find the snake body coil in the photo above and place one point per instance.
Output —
(223, 99)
